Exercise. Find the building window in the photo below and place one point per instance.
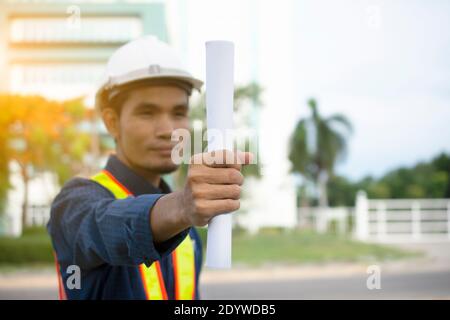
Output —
(64, 30)
(58, 81)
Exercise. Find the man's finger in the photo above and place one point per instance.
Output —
(218, 191)
(220, 206)
(217, 176)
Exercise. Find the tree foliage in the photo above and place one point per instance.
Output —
(424, 180)
(41, 135)
(315, 146)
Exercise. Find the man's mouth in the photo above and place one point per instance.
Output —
(163, 151)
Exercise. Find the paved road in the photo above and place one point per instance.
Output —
(423, 285)
(29, 294)
(423, 278)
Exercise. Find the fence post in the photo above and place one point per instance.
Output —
(321, 220)
(13, 219)
(415, 212)
(448, 220)
(15, 225)
(381, 223)
(342, 221)
(362, 216)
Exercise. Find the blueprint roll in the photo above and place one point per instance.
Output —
(219, 113)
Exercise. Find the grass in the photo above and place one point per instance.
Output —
(270, 246)
(280, 246)
(296, 247)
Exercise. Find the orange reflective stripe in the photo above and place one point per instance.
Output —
(121, 186)
(107, 180)
(144, 281)
(161, 280)
(61, 290)
(152, 278)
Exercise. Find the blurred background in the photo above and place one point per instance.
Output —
(348, 103)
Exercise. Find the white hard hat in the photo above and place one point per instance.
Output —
(143, 59)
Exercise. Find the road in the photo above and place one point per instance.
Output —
(422, 278)
(424, 285)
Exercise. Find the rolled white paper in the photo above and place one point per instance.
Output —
(219, 113)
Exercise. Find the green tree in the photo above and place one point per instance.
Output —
(316, 145)
(424, 180)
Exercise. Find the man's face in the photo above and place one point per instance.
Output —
(147, 119)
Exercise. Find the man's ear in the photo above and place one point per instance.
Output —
(111, 121)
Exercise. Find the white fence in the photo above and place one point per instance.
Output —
(38, 215)
(402, 220)
(321, 218)
(11, 225)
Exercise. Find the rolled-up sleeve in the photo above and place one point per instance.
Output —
(89, 227)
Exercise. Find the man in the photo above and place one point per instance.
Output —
(123, 229)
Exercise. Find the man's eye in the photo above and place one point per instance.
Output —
(180, 114)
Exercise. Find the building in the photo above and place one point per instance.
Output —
(58, 49)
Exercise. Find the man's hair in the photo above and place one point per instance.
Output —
(118, 101)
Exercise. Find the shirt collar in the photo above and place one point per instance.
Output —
(135, 183)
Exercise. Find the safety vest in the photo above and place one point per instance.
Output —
(152, 279)
(182, 257)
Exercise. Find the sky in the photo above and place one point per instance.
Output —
(390, 77)
(383, 64)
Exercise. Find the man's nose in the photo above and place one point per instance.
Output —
(164, 127)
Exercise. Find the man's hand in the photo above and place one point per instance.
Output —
(213, 187)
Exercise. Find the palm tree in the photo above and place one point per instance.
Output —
(316, 145)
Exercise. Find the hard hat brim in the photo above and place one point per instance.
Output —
(142, 75)
(154, 71)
